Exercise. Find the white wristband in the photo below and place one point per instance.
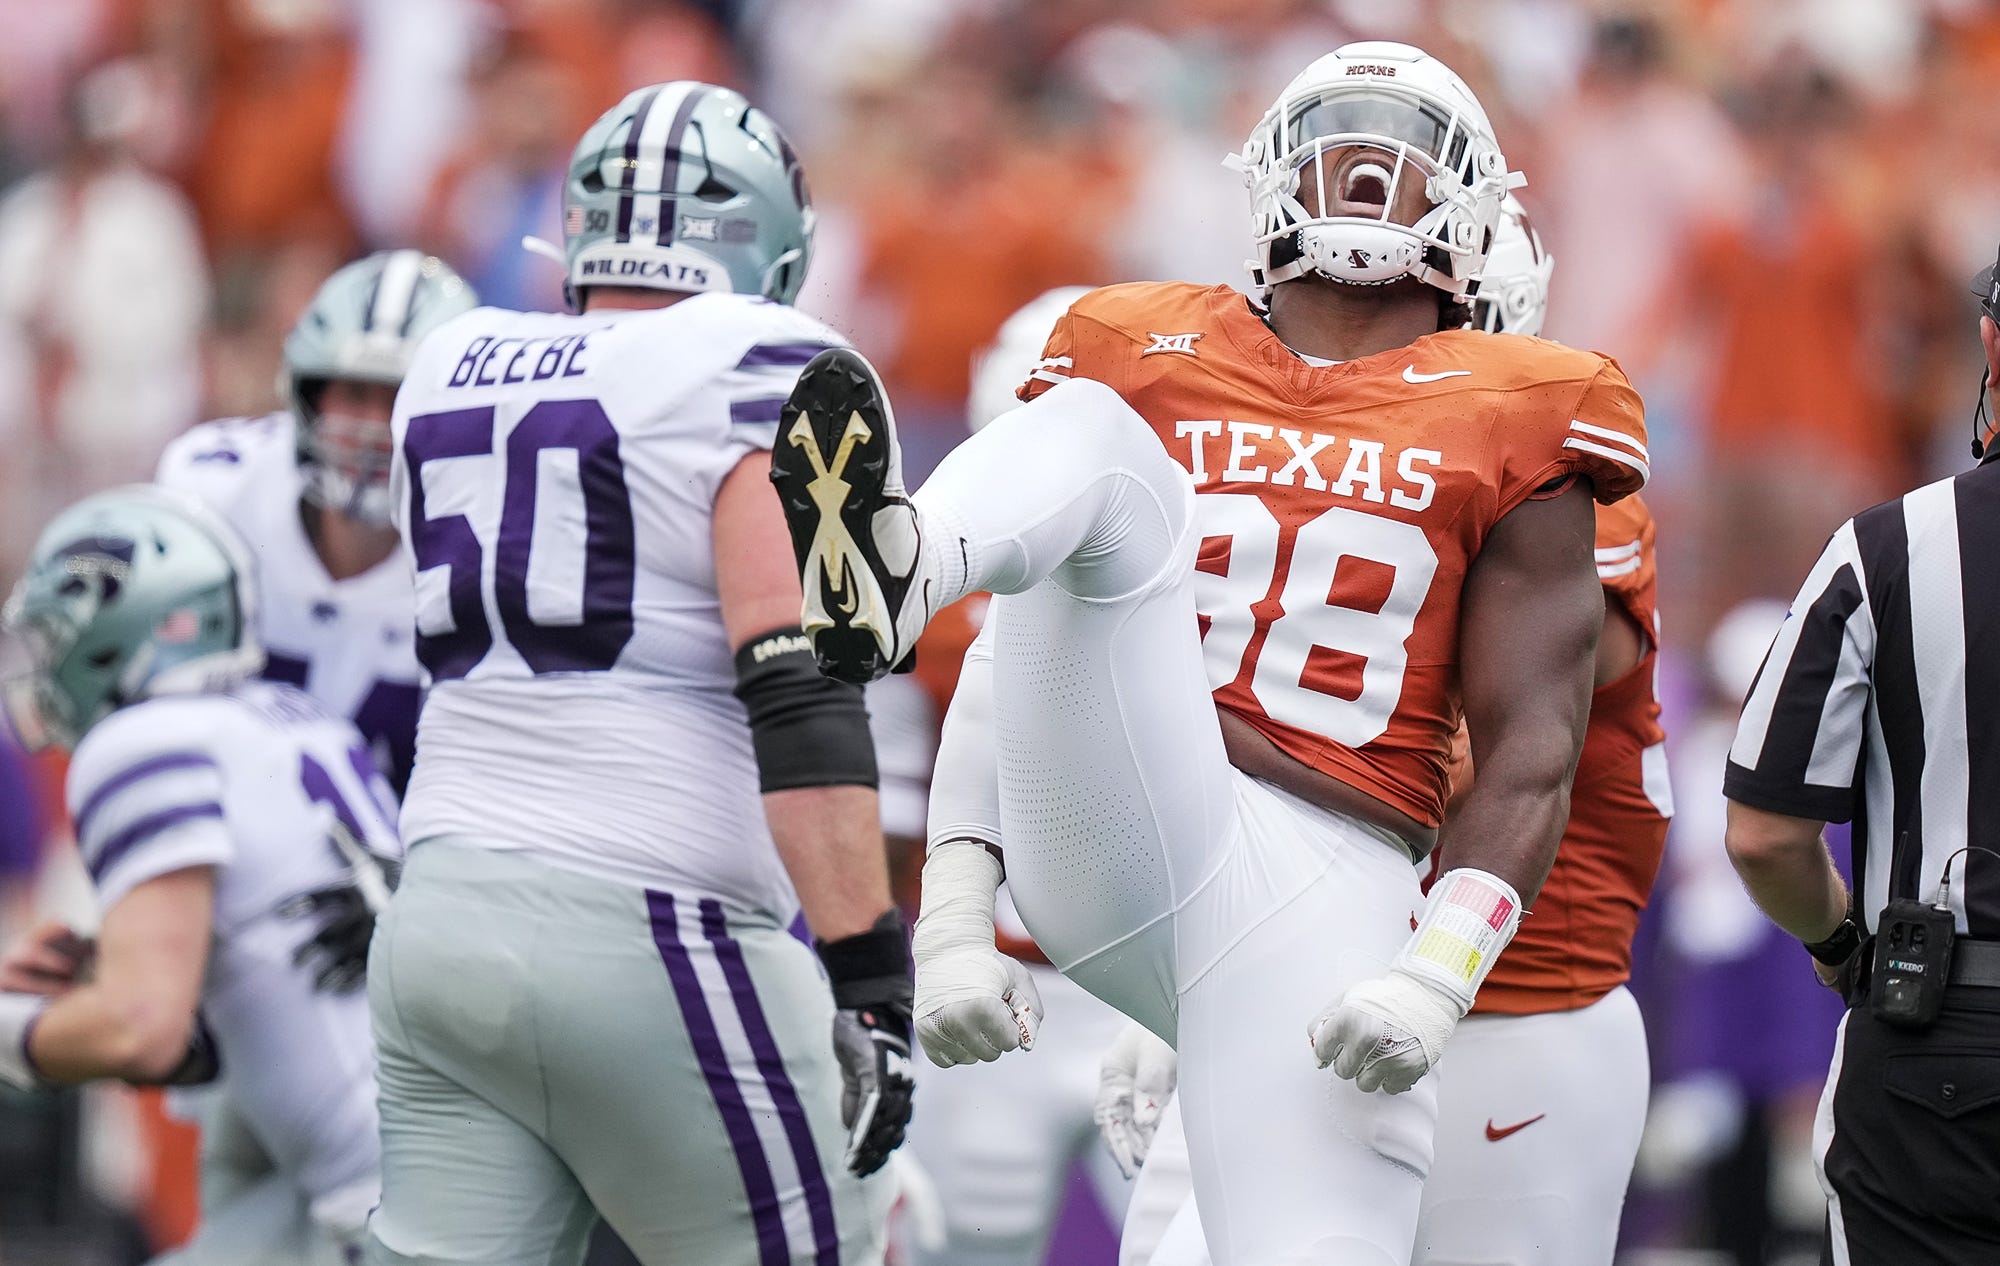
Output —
(1470, 917)
(960, 878)
(18, 1013)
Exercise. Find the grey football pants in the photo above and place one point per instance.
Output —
(554, 1047)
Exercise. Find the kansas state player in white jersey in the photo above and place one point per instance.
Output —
(586, 998)
(308, 489)
(211, 811)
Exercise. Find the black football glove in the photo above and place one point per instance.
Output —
(337, 954)
(872, 991)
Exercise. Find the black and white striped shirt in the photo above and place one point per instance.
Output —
(1880, 699)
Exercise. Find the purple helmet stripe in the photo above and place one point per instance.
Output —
(770, 1063)
(765, 1211)
(145, 829)
(763, 409)
(670, 173)
(131, 774)
(630, 172)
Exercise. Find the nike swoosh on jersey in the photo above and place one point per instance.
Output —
(1495, 1135)
(1410, 374)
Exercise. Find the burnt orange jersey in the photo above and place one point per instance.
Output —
(1340, 506)
(1575, 944)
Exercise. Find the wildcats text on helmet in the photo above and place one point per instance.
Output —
(655, 271)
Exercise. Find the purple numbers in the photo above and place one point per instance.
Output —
(321, 787)
(449, 541)
(609, 557)
(386, 717)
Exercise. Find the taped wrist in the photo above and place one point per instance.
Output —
(806, 730)
(872, 967)
(1470, 917)
(960, 879)
(18, 1013)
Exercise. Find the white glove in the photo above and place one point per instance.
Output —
(974, 1004)
(1386, 1033)
(1135, 1081)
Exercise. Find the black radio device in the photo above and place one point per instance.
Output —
(1912, 963)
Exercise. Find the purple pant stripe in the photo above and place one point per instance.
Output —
(765, 1211)
(798, 1131)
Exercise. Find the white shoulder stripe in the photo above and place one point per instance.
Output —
(1615, 553)
(1065, 362)
(1055, 376)
(1636, 463)
(1612, 571)
(1606, 433)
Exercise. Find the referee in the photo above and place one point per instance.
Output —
(1880, 703)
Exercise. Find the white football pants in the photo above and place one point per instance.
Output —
(1565, 1094)
(1185, 894)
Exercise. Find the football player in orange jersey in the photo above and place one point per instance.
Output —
(1368, 481)
(1543, 1097)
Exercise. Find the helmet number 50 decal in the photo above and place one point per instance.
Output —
(558, 446)
(1325, 648)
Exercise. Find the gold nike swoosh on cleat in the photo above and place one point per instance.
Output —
(833, 547)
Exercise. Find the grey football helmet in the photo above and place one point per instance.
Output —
(363, 326)
(687, 186)
(130, 593)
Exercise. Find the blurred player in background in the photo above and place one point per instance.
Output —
(212, 811)
(586, 998)
(999, 1140)
(1368, 480)
(1543, 1098)
(308, 490)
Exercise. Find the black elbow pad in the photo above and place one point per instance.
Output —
(807, 730)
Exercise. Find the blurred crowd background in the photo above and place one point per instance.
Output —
(1767, 210)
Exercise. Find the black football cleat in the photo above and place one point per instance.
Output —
(839, 475)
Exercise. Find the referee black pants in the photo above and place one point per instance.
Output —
(1913, 1158)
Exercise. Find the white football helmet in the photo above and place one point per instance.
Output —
(1513, 293)
(1016, 353)
(1421, 123)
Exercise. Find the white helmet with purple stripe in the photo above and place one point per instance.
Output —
(687, 186)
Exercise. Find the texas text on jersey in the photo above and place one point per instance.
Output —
(1360, 493)
(347, 643)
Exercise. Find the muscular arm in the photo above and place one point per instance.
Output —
(134, 1018)
(830, 838)
(1530, 622)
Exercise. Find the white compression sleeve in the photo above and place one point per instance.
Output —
(965, 783)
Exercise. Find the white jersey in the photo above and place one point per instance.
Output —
(347, 643)
(555, 479)
(251, 782)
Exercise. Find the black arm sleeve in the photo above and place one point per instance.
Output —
(807, 730)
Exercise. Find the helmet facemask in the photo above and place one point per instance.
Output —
(345, 458)
(1358, 149)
